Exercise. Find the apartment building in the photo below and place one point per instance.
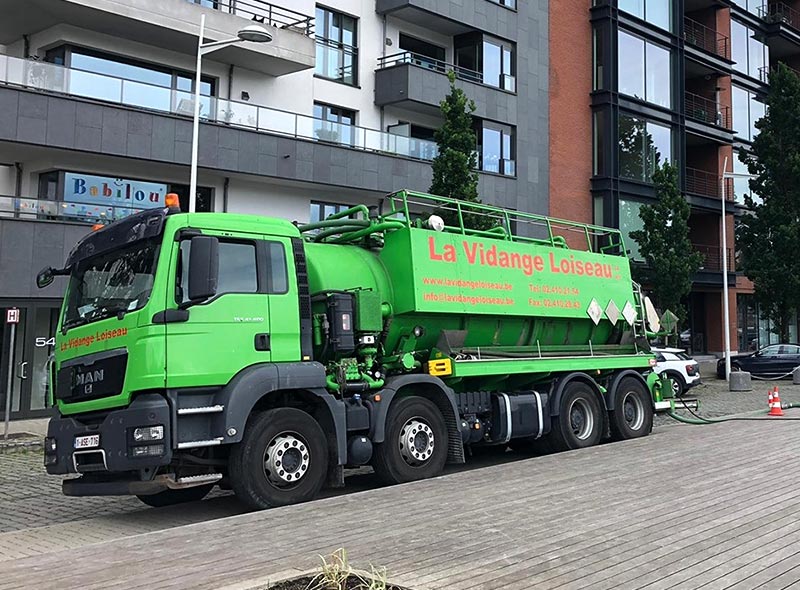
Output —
(339, 108)
(685, 80)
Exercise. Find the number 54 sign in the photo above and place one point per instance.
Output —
(42, 342)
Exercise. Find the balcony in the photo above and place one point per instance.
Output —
(454, 18)
(712, 258)
(173, 25)
(706, 38)
(44, 209)
(418, 83)
(782, 29)
(764, 72)
(119, 91)
(704, 110)
(707, 184)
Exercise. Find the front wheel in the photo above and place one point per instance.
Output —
(632, 416)
(282, 459)
(415, 444)
(579, 423)
(172, 497)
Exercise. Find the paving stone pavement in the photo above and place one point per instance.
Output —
(36, 518)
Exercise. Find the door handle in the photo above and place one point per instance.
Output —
(262, 342)
(21, 373)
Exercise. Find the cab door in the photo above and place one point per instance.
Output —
(211, 341)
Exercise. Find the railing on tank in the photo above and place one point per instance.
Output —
(413, 209)
(46, 209)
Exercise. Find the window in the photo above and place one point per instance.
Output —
(751, 56)
(630, 221)
(741, 186)
(237, 269)
(656, 12)
(751, 6)
(747, 109)
(277, 275)
(496, 148)
(599, 37)
(600, 143)
(507, 3)
(337, 46)
(644, 70)
(423, 49)
(485, 60)
(108, 77)
(412, 140)
(321, 210)
(334, 124)
(643, 145)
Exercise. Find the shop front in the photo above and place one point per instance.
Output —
(27, 339)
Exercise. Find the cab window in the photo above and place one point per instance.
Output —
(237, 269)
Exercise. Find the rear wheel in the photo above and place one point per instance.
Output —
(632, 416)
(579, 423)
(171, 497)
(678, 383)
(415, 443)
(282, 459)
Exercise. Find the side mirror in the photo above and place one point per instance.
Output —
(203, 268)
(45, 277)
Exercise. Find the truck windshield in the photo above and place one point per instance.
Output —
(111, 283)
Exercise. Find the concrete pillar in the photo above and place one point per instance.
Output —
(740, 381)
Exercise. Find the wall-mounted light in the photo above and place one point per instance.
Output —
(245, 95)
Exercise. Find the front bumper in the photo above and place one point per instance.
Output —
(113, 455)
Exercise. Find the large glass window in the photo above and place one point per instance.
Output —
(750, 5)
(496, 148)
(334, 124)
(498, 64)
(237, 269)
(629, 221)
(643, 145)
(644, 70)
(741, 185)
(103, 76)
(337, 46)
(750, 54)
(656, 12)
(747, 109)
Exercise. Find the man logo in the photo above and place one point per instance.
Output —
(87, 380)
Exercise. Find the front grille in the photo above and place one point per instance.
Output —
(92, 376)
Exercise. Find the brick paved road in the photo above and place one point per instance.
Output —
(35, 518)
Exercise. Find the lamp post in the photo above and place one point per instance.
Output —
(254, 33)
(725, 308)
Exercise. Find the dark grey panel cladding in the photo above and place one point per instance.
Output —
(28, 246)
(422, 89)
(479, 14)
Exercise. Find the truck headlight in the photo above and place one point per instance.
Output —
(148, 433)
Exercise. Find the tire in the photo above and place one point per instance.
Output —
(282, 459)
(678, 384)
(418, 421)
(632, 416)
(171, 497)
(579, 423)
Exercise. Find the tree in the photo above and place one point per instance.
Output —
(768, 235)
(454, 174)
(664, 243)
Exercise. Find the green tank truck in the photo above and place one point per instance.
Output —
(248, 352)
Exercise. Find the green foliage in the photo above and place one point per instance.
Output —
(454, 167)
(664, 243)
(768, 236)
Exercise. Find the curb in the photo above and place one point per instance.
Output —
(21, 446)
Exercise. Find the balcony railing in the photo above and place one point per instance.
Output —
(32, 208)
(504, 81)
(779, 12)
(706, 38)
(708, 111)
(264, 13)
(58, 79)
(712, 258)
(707, 184)
(764, 72)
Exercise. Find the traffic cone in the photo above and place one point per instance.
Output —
(775, 409)
(769, 400)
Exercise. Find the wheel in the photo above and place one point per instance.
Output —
(579, 423)
(415, 443)
(632, 416)
(170, 497)
(678, 384)
(282, 459)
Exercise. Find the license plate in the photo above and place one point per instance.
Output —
(87, 442)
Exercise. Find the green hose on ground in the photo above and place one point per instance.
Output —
(701, 420)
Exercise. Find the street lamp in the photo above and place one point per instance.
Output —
(725, 309)
(253, 33)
